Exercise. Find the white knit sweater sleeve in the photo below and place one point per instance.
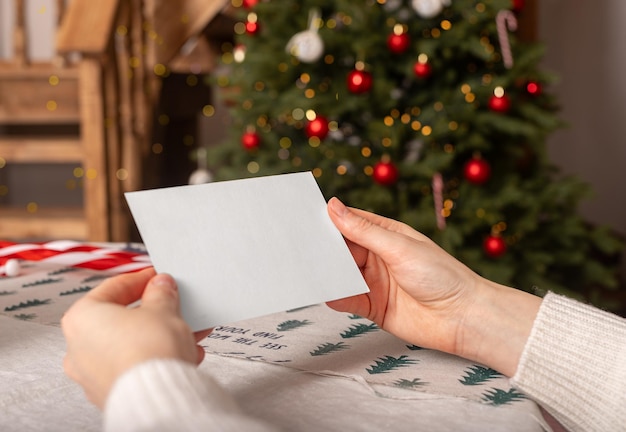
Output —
(170, 395)
(574, 365)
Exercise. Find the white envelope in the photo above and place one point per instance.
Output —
(245, 248)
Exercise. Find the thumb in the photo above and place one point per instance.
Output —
(161, 293)
(363, 231)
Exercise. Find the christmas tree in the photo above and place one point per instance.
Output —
(426, 111)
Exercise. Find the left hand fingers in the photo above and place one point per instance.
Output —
(199, 335)
(123, 289)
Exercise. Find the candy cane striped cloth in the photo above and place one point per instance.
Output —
(112, 257)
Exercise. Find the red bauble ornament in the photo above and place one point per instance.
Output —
(249, 4)
(250, 140)
(518, 5)
(422, 69)
(494, 246)
(317, 128)
(477, 171)
(533, 88)
(359, 81)
(385, 173)
(500, 104)
(252, 27)
(398, 43)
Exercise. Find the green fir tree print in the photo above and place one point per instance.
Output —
(41, 282)
(78, 290)
(358, 330)
(355, 317)
(6, 293)
(328, 348)
(95, 278)
(292, 324)
(500, 397)
(409, 384)
(476, 375)
(25, 317)
(298, 309)
(62, 271)
(389, 363)
(29, 303)
(415, 347)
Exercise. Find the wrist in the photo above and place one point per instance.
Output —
(497, 327)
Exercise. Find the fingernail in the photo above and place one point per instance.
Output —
(164, 280)
(337, 206)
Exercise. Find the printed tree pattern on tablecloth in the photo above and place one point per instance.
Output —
(342, 352)
(328, 348)
(27, 304)
(49, 288)
(500, 397)
(477, 374)
(47, 281)
(389, 363)
(358, 330)
(62, 271)
(409, 384)
(291, 325)
(313, 338)
(79, 290)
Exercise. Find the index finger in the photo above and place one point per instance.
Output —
(123, 289)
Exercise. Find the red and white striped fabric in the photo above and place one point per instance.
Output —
(113, 257)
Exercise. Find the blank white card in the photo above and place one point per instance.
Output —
(245, 248)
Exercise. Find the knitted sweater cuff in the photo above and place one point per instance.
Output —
(574, 365)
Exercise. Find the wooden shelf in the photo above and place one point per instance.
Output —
(26, 149)
(45, 223)
(30, 96)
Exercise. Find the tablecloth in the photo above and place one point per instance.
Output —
(306, 369)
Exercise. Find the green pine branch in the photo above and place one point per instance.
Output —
(6, 293)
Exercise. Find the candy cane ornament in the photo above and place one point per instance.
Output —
(505, 21)
(438, 198)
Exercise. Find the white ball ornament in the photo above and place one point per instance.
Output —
(429, 8)
(12, 267)
(307, 46)
(202, 174)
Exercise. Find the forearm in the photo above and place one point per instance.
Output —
(497, 326)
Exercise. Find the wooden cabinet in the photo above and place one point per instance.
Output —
(105, 97)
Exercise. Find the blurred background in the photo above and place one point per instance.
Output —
(99, 98)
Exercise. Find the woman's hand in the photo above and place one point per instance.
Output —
(423, 295)
(105, 337)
